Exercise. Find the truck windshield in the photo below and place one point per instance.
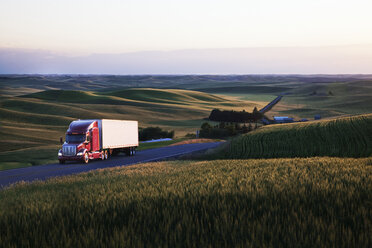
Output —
(75, 138)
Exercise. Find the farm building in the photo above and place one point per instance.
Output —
(282, 119)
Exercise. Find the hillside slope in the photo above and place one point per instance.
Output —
(343, 137)
(137, 94)
(166, 95)
(327, 100)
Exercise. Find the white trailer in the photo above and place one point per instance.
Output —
(119, 135)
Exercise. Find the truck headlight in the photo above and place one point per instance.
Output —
(80, 153)
(60, 153)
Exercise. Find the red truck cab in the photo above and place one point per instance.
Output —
(82, 142)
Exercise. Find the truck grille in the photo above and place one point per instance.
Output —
(69, 150)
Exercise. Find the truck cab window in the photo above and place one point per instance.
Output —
(75, 138)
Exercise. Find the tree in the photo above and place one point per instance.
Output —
(257, 115)
(206, 126)
(154, 133)
(250, 127)
(205, 130)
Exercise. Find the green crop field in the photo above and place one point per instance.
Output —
(342, 137)
(307, 202)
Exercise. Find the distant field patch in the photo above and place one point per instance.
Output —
(165, 95)
(328, 99)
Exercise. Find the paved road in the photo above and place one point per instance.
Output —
(43, 172)
(270, 105)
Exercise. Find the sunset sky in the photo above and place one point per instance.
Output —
(82, 27)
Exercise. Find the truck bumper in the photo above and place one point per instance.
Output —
(70, 158)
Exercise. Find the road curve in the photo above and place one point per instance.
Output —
(43, 172)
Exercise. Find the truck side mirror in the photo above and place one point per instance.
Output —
(61, 140)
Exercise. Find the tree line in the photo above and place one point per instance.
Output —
(150, 133)
(224, 130)
(235, 116)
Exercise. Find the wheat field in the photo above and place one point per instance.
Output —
(307, 202)
(341, 137)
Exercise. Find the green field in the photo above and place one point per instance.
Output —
(342, 137)
(313, 202)
(151, 145)
(326, 99)
(35, 110)
(31, 124)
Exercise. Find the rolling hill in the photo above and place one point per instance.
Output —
(342, 137)
(134, 96)
(303, 191)
(33, 123)
(166, 95)
(327, 99)
(49, 103)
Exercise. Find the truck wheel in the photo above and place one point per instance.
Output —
(86, 158)
(106, 154)
(61, 161)
(133, 151)
(103, 156)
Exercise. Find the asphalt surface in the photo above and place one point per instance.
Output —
(270, 105)
(43, 172)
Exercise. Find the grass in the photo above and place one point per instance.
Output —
(29, 157)
(151, 145)
(48, 154)
(313, 202)
(342, 137)
(179, 141)
(249, 96)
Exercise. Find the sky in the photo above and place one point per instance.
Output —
(82, 28)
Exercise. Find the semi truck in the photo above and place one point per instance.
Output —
(98, 139)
